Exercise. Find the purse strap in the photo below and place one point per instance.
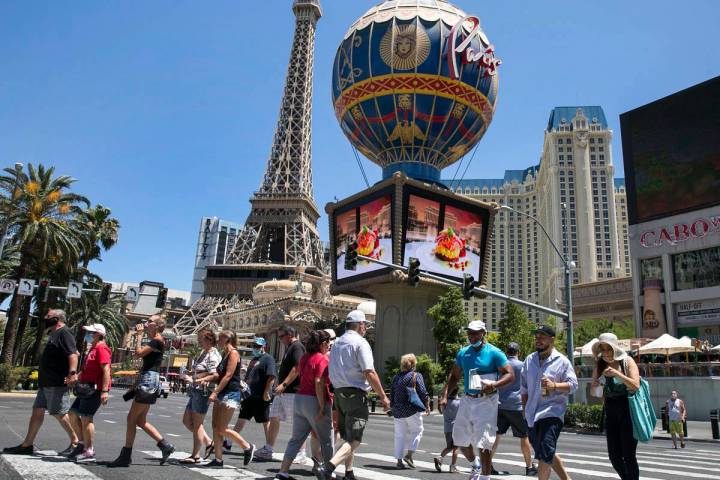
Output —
(414, 380)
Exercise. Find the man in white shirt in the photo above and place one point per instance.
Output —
(352, 373)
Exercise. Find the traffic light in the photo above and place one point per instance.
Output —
(351, 256)
(43, 290)
(162, 298)
(105, 293)
(468, 286)
(413, 271)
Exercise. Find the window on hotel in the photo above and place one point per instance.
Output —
(697, 269)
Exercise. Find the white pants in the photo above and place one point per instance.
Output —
(408, 432)
(476, 422)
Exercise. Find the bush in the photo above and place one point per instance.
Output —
(584, 417)
(10, 377)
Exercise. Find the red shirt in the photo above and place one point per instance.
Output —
(92, 371)
(311, 367)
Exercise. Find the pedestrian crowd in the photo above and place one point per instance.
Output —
(320, 389)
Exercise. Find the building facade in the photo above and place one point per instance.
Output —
(575, 169)
(216, 240)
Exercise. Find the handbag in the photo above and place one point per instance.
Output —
(642, 413)
(84, 390)
(245, 392)
(413, 396)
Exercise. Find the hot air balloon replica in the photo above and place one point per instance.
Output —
(414, 88)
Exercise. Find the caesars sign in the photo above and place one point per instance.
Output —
(680, 232)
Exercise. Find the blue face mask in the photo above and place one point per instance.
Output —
(479, 343)
(257, 352)
(89, 337)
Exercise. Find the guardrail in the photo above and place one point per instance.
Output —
(676, 369)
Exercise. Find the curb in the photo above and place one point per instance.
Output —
(19, 393)
(7, 471)
(657, 436)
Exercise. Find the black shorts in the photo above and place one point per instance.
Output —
(544, 436)
(255, 407)
(512, 418)
(353, 413)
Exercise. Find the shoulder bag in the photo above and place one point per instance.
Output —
(642, 412)
(413, 396)
(84, 390)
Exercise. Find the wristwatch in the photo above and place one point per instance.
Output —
(72, 372)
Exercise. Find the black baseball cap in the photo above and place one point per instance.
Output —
(547, 330)
(512, 347)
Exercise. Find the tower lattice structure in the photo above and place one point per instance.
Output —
(282, 225)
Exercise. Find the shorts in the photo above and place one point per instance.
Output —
(676, 428)
(86, 407)
(544, 436)
(56, 400)
(147, 388)
(198, 403)
(449, 444)
(476, 422)
(229, 399)
(255, 407)
(282, 407)
(514, 419)
(353, 413)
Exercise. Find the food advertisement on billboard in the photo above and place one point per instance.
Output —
(447, 236)
(369, 222)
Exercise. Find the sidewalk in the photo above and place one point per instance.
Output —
(697, 432)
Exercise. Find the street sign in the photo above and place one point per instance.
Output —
(132, 294)
(26, 287)
(74, 290)
(7, 285)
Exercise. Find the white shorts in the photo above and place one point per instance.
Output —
(282, 407)
(476, 422)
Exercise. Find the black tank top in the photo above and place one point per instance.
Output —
(234, 383)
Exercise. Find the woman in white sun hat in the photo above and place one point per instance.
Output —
(621, 377)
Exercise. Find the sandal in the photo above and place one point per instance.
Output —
(209, 450)
(190, 461)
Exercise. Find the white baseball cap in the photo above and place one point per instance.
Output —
(356, 316)
(476, 326)
(331, 332)
(96, 327)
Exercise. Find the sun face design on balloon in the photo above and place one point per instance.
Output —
(405, 47)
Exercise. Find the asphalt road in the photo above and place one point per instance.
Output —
(584, 455)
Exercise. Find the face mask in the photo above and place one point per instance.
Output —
(89, 337)
(477, 344)
(51, 322)
(257, 352)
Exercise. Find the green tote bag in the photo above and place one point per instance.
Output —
(642, 413)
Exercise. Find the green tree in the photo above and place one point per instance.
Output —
(450, 320)
(516, 327)
(88, 310)
(42, 228)
(101, 230)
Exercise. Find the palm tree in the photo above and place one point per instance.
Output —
(42, 226)
(88, 310)
(101, 230)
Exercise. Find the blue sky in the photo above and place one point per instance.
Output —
(164, 111)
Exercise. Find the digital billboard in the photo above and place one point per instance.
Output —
(447, 235)
(369, 222)
(671, 153)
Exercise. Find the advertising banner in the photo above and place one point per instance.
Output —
(706, 312)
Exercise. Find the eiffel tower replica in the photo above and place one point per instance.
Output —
(280, 237)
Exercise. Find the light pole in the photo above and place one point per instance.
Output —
(18, 171)
(567, 264)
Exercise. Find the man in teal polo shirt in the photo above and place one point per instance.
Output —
(484, 369)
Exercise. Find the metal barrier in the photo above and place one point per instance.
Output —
(651, 370)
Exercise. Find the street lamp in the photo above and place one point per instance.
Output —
(567, 264)
(18, 171)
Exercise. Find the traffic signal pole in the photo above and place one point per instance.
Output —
(476, 290)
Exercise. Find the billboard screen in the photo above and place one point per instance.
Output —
(369, 221)
(671, 151)
(448, 236)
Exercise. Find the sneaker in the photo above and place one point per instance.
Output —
(70, 449)
(248, 455)
(438, 463)
(453, 469)
(80, 448)
(214, 464)
(530, 471)
(409, 461)
(475, 474)
(682, 445)
(19, 450)
(400, 465)
(348, 475)
(264, 453)
(88, 456)
(227, 446)
(301, 458)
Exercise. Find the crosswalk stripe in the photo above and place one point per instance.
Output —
(227, 472)
(591, 473)
(641, 460)
(44, 466)
(678, 462)
(565, 458)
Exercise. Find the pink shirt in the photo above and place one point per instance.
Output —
(313, 366)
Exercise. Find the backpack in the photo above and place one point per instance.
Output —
(642, 412)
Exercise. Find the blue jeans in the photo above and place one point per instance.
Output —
(197, 403)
